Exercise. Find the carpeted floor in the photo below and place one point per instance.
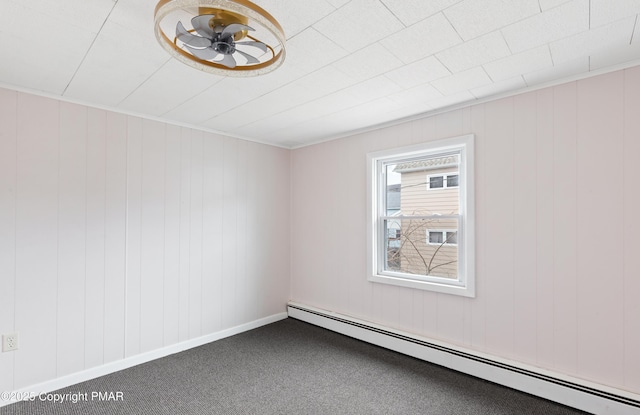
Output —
(289, 367)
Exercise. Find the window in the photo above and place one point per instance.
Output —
(442, 237)
(442, 181)
(421, 217)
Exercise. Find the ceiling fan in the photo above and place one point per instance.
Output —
(219, 39)
(218, 42)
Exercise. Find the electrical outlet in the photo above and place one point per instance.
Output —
(9, 342)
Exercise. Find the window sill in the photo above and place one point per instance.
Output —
(461, 290)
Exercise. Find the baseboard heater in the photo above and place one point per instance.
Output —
(556, 387)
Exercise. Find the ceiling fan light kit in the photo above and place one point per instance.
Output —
(223, 37)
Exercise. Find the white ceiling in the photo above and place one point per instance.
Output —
(351, 64)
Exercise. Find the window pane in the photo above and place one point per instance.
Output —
(452, 238)
(436, 182)
(419, 248)
(393, 190)
(452, 180)
(435, 237)
(392, 244)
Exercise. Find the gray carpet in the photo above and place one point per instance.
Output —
(291, 367)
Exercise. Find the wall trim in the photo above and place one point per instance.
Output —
(567, 390)
(95, 372)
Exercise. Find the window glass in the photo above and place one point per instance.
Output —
(436, 182)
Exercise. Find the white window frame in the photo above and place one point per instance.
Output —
(445, 182)
(464, 284)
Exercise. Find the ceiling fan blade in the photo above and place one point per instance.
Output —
(190, 39)
(228, 61)
(234, 28)
(204, 54)
(201, 24)
(258, 45)
(250, 59)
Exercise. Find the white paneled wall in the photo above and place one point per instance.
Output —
(121, 235)
(557, 202)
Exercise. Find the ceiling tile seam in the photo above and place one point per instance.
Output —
(84, 57)
(488, 76)
(313, 24)
(590, 15)
(144, 82)
(192, 97)
(505, 42)
(554, 41)
(392, 13)
(435, 56)
(496, 29)
(454, 29)
(426, 17)
(331, 14)
(462, 42)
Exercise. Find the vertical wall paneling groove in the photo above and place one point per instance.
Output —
(354, 198)
(185, 231)
(478, 305)
(241, 231)
(229, 227)
(545, 223)
(254, 276)
(252, 270)
(171, 251)
(72, 240)
(499, 191)
(134, 236)
(212, 233)
(631, 242)
(36, 239)
(330, 286)
(343, 165)
(115, 237)
(195, 244)
(8, 181)
(600, 205)
(95, 238)
(565, 230)
(525, 178)
(556, 230)
(152, 236)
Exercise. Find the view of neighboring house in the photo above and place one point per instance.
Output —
(427, 243)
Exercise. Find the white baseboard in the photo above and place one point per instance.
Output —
(573, 392)
(69, 380)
